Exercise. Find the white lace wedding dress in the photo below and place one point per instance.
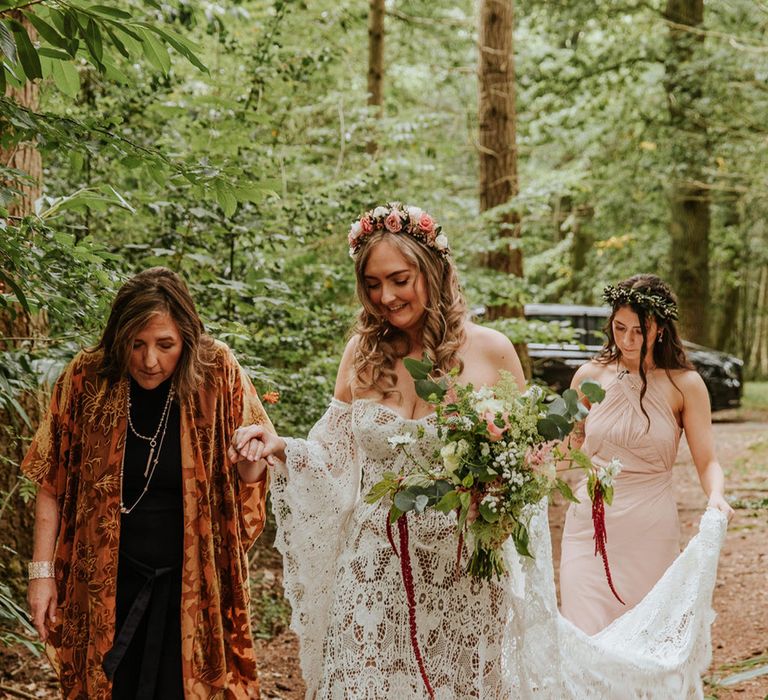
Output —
(479, 640)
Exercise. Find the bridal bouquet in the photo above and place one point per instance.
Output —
(499, 449)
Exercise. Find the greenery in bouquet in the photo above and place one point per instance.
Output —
(497, 460)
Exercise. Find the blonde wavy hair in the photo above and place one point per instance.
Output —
(380, 344)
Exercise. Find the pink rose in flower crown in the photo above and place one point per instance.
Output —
(426, 223)
(393, 222)
(366, 224)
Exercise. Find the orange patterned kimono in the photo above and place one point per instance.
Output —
(76, 455)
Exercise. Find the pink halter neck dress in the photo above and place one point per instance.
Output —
(642, 523)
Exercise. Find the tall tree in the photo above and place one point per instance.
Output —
(689, 224)
(497, 141)
(22, 156)
(375, 61)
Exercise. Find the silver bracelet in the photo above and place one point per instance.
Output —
(40, 569)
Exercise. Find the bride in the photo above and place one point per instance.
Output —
(478, 639)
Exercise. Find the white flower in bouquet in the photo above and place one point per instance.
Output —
(485, 402)
(396, 441)
(451, 460)
(608, 472)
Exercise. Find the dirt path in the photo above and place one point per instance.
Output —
(740, 633)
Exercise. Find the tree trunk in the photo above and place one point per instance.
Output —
(497, 141)
(17, 517)
(758, 356)
(689, 199)
(375, 61)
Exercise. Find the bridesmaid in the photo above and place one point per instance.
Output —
(652, 395)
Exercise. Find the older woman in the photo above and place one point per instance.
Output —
(139, 573)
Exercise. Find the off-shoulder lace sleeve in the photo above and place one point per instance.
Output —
(313, 496)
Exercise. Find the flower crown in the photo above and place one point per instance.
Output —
(396, 218)
(653, 303)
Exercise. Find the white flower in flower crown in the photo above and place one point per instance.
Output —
(405, 439)
(441, 242)
(355, 230)
(380, 211)
(414, 214)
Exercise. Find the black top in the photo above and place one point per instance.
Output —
(153, 532)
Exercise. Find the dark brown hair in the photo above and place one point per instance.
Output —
(153, 291)
(668, 350)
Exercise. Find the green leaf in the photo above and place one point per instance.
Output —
(119, 45)
(420, 503)
(28, 57)
(132, 42)
(378, 491)
(54, 54)
(7, 44)
(94, 42)
(580, 459)
(487, 514)
(449, 502)
(46, 31)
(550, 428)
(183, 46)
(251, 193)
(592, 390)
(394, 514)
(418, 369)
(608, 494)
(225, 198)
(20, 410)
(66, 78)
(566, 491)
(426, 389)
(155, 52)
(558, 406)
(109, 12)
(520, 538)
(405, 501)
(467, 481)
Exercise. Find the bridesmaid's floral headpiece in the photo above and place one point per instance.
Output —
(397, 218)
(651, 303)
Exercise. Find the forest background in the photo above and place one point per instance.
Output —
(235, 142)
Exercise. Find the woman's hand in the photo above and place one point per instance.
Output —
(717, 500)
(253, 443)
(42, 598)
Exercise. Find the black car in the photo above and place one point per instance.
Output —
(555, 363)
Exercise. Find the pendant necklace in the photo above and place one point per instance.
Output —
(155, 446)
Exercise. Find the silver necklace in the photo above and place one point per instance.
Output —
(149, 469)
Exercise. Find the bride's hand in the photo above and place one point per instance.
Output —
(254, 442)
(717, 500)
